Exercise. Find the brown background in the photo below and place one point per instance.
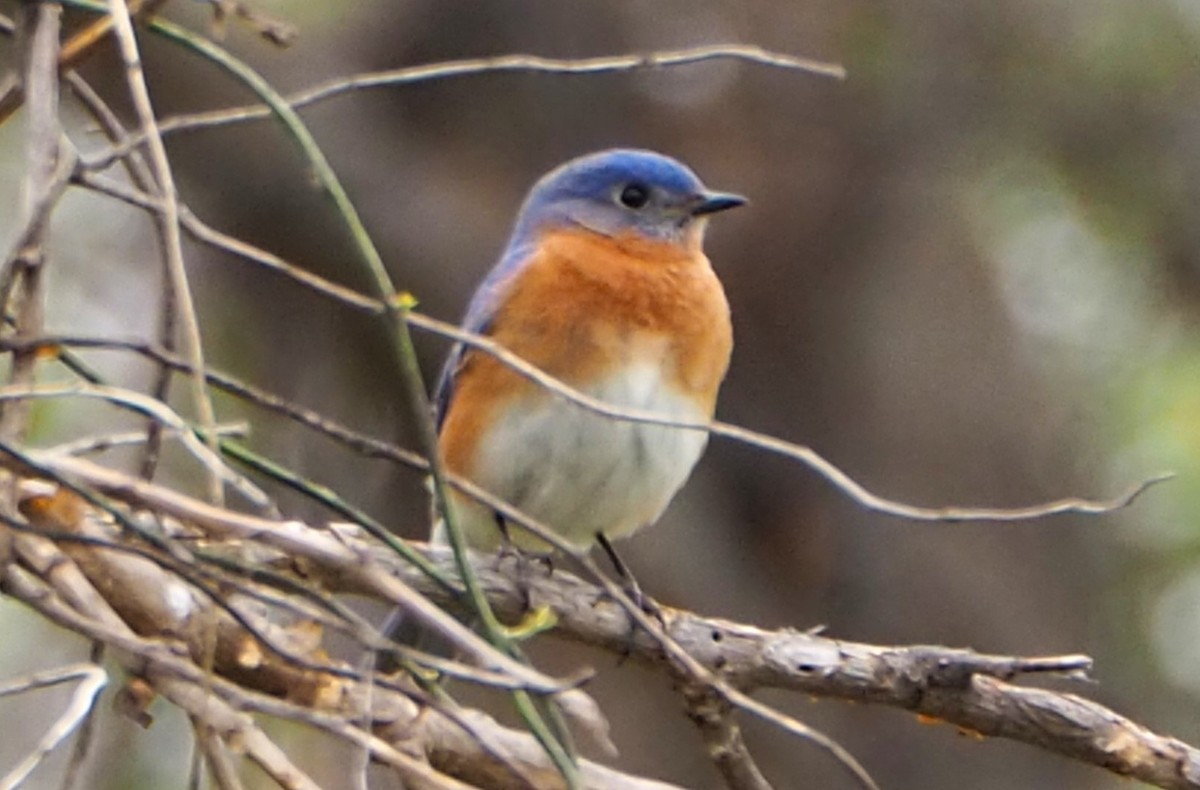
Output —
(967, 276)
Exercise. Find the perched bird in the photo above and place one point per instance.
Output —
(605, 286)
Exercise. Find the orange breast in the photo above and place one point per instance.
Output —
(582, 306)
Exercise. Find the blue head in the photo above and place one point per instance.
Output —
(611, 193)
(621, 191)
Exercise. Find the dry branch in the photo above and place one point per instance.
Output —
(180, 298)
(22, 289)
(91, 679)
(53, 586)
(969, 690)
(174, 609)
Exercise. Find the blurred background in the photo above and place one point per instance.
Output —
(970, 275)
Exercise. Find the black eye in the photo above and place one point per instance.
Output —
(635, 196)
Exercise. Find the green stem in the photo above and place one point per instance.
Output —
(396, 308)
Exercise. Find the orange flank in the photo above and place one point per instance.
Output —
(585, 305)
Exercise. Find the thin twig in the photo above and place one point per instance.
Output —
(556, 743)
(135, 589)
(145, 405)
(168, 218)
(365, 445)
(139, 173)
(92, 680)
(76, 48)
(388, 587)
(87, 731)
(26, 248)
(519, 63)
(732, 695)
(23, 274)
(92, 445)
(180, 681)
(806, 455)
(727, 748)
(292, 537)
(936, 682)
(397, 311)
(963, 688)
(65, 597)
(218, 581)
(217, 756)
(206, 234)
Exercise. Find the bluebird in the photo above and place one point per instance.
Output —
(604, 285)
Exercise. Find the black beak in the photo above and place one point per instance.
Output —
(712, 202)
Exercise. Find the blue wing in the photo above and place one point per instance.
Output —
(478, 320)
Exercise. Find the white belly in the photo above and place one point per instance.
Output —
(582, 473)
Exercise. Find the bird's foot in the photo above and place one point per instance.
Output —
(526, 567)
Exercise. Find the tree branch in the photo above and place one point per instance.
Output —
(969, 690)
(21, 273)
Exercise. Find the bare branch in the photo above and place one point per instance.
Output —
(396, 719)
(76, 48)
(67, 597)
(218, 757)
(160, 412)
(723, 738)
(961, 687)
(22, 274)
(533, 64)
(92, 680)
(92, 445)
(281, 536)
(806, 455)
(843, 482)
(101, 581)
(139, 173)
(87, 731)
(168, 218)
(293, 538)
